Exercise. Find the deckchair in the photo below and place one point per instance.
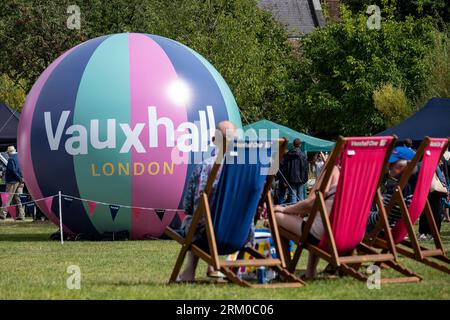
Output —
(228, 216)
(362, 161)
(428, 155)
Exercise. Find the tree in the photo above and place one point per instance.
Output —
(437, 63)
(343, 64)
(245, 44)
(392, 103)
(11, 93)
(400, 9)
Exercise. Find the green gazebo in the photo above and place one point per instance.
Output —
(309, 143)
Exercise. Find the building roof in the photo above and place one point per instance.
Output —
(298, 16)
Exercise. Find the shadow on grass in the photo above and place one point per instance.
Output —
(24, 237)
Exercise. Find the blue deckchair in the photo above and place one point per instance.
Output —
(243, 185)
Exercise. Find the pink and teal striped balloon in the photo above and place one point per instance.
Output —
(112, 120)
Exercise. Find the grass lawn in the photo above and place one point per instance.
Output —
(36, 268)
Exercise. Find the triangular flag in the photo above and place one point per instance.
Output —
(181, 215)
(176, 222)
(136, 212)
(48, 203)
(4, 199)
(91, 205)
(160, 213)
(67, 201)
(30, 205)
(114, 209)
(23, 198)
(12, 212)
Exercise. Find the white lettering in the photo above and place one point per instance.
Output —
(132, 138)
(54, 140)
(153, 129)
(110, 141)
(191, 137)
(80, 139)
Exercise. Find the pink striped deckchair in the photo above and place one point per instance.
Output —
(428, 154)
(362, 161)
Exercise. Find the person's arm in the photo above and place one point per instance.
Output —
(189, 199)
(301, 208)
(12, 167)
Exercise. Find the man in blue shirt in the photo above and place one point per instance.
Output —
(14, 184)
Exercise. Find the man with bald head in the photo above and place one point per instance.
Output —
(197, 183)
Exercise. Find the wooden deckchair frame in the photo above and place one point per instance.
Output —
(362, 253)
(229, 268)
(411, 248)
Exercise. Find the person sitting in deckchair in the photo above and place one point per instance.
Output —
(398, 162)
(196, 184)
(294, 217)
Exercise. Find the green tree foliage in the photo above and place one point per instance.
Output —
(343, 64)
(392, 103)
(437, 64)
(32, 35)
(400, 9)
(13, 94)
(244, 43)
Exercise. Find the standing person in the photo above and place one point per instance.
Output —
(14, 183)
(320, 161)
(296, 168)
(280, 194)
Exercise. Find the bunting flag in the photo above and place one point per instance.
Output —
(30, 205)
(114, 209)
(176, 222)
(181, 215)
(91, 205)
(23, 198)
(136, 212)
(4, 199)
(12, 212)
(67, 201)
(48, 203)
(160, 213)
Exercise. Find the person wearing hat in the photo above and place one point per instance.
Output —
(398, 161)
(14, 183)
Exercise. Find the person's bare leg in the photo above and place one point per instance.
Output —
(446, 215)
(289, 222)
(188, 273)
(311, 268)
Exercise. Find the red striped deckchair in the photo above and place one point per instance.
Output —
(362, 161)
(428, 155)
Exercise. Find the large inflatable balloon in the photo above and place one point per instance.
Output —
(116, 120)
